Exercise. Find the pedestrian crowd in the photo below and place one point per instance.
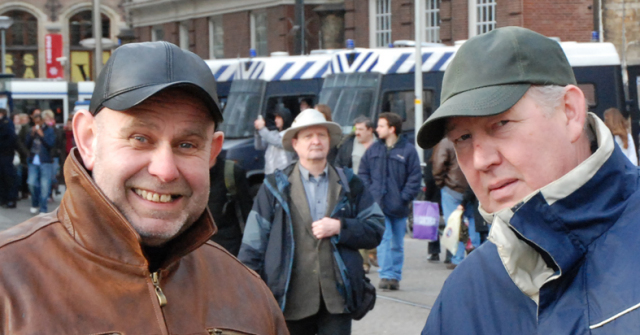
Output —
(33, 149)
(545, 193)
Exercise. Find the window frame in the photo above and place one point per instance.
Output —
(432, 21)
(377, 19)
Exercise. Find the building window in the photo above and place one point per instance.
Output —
(80, 59)
(432, 23)
(21, 58)
(382, 23)
(259, 33)
(485, 16)
(184, 35)
(216, 37)
(157, 33)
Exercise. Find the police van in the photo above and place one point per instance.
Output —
(224, 70)
(370, 81)
(259, 86)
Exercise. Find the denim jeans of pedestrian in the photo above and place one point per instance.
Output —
(391, 249)
(56, 168)
(40, 184)
(449, 200)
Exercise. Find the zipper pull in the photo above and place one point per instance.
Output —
(162, 299)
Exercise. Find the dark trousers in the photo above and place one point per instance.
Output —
(322, 323)
(8, 177)
(434, 247)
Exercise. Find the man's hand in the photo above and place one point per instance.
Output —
(258, 123)
(325, 227)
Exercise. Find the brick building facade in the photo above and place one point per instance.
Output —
(34, 19)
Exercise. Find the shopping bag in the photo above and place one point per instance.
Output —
(426, 217)
(451, 235)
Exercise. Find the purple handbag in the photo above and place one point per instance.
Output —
(426, 217)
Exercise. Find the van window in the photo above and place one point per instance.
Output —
(291, 103)
(350, 95)
(589, 91)
(401, 103)
(242, 108)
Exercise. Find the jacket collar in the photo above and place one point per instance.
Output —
(548, 233)
(95, 224)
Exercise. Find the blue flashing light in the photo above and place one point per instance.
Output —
(252, 52)
(595, 36)
(350, 44)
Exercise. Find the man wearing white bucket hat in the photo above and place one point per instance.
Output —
(303, 234)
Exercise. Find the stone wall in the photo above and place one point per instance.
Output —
(612, 21)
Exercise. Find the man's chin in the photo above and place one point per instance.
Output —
(156, 232)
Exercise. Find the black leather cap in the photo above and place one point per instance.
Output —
(137, 71)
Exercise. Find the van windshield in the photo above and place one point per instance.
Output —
(350, 95)
(242, 108)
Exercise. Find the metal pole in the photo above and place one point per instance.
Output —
(418, 74)
(298, 44)
(97, 36)
(3, 50)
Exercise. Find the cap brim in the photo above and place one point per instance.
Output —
(484, 101)
(129, 99)
(335, 134)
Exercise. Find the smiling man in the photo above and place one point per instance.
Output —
(561, 197)
(127, 251)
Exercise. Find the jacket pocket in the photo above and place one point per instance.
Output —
(226, 331)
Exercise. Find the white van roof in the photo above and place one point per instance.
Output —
(401, 60)
(224, 69)
(285, 67)
(37, 89)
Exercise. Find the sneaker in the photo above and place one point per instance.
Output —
(394, 285)
(34, 210)
(10, 204)
(384, 284)
(434, 258)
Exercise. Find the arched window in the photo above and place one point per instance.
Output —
(22, 44)
(81, 59)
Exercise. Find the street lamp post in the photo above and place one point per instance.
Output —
(5, 23)
(97, 35)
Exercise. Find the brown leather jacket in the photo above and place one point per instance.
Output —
(446, 170)
(81, 270)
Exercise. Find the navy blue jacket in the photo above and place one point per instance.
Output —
(393, 177)
(48, 141)
(585, 229)
(268, 245)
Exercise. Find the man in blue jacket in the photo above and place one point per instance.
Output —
(303, 234)
(562, 198)
(391, 170)
(40, 141)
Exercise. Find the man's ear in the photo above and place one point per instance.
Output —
(575, 110)
(85, 134)
(216, 147)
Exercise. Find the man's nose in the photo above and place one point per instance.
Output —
(163, 164)
(485, 155)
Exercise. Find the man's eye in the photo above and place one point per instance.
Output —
(186, 146)
(463, 138)
(140, 139)
(502, 123)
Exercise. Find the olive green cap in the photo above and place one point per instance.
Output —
(491, 72)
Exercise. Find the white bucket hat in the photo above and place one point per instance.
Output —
(309, 118)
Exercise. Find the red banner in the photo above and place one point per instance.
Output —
(53, 50)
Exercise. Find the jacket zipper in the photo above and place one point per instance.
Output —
(162, 299)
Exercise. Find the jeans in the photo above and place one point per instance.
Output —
(40, 184)
(473, 236)
(391, 249)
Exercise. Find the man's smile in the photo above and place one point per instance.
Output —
(156, 197)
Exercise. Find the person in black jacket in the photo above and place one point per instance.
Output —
(8, 191)
(229, 203)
